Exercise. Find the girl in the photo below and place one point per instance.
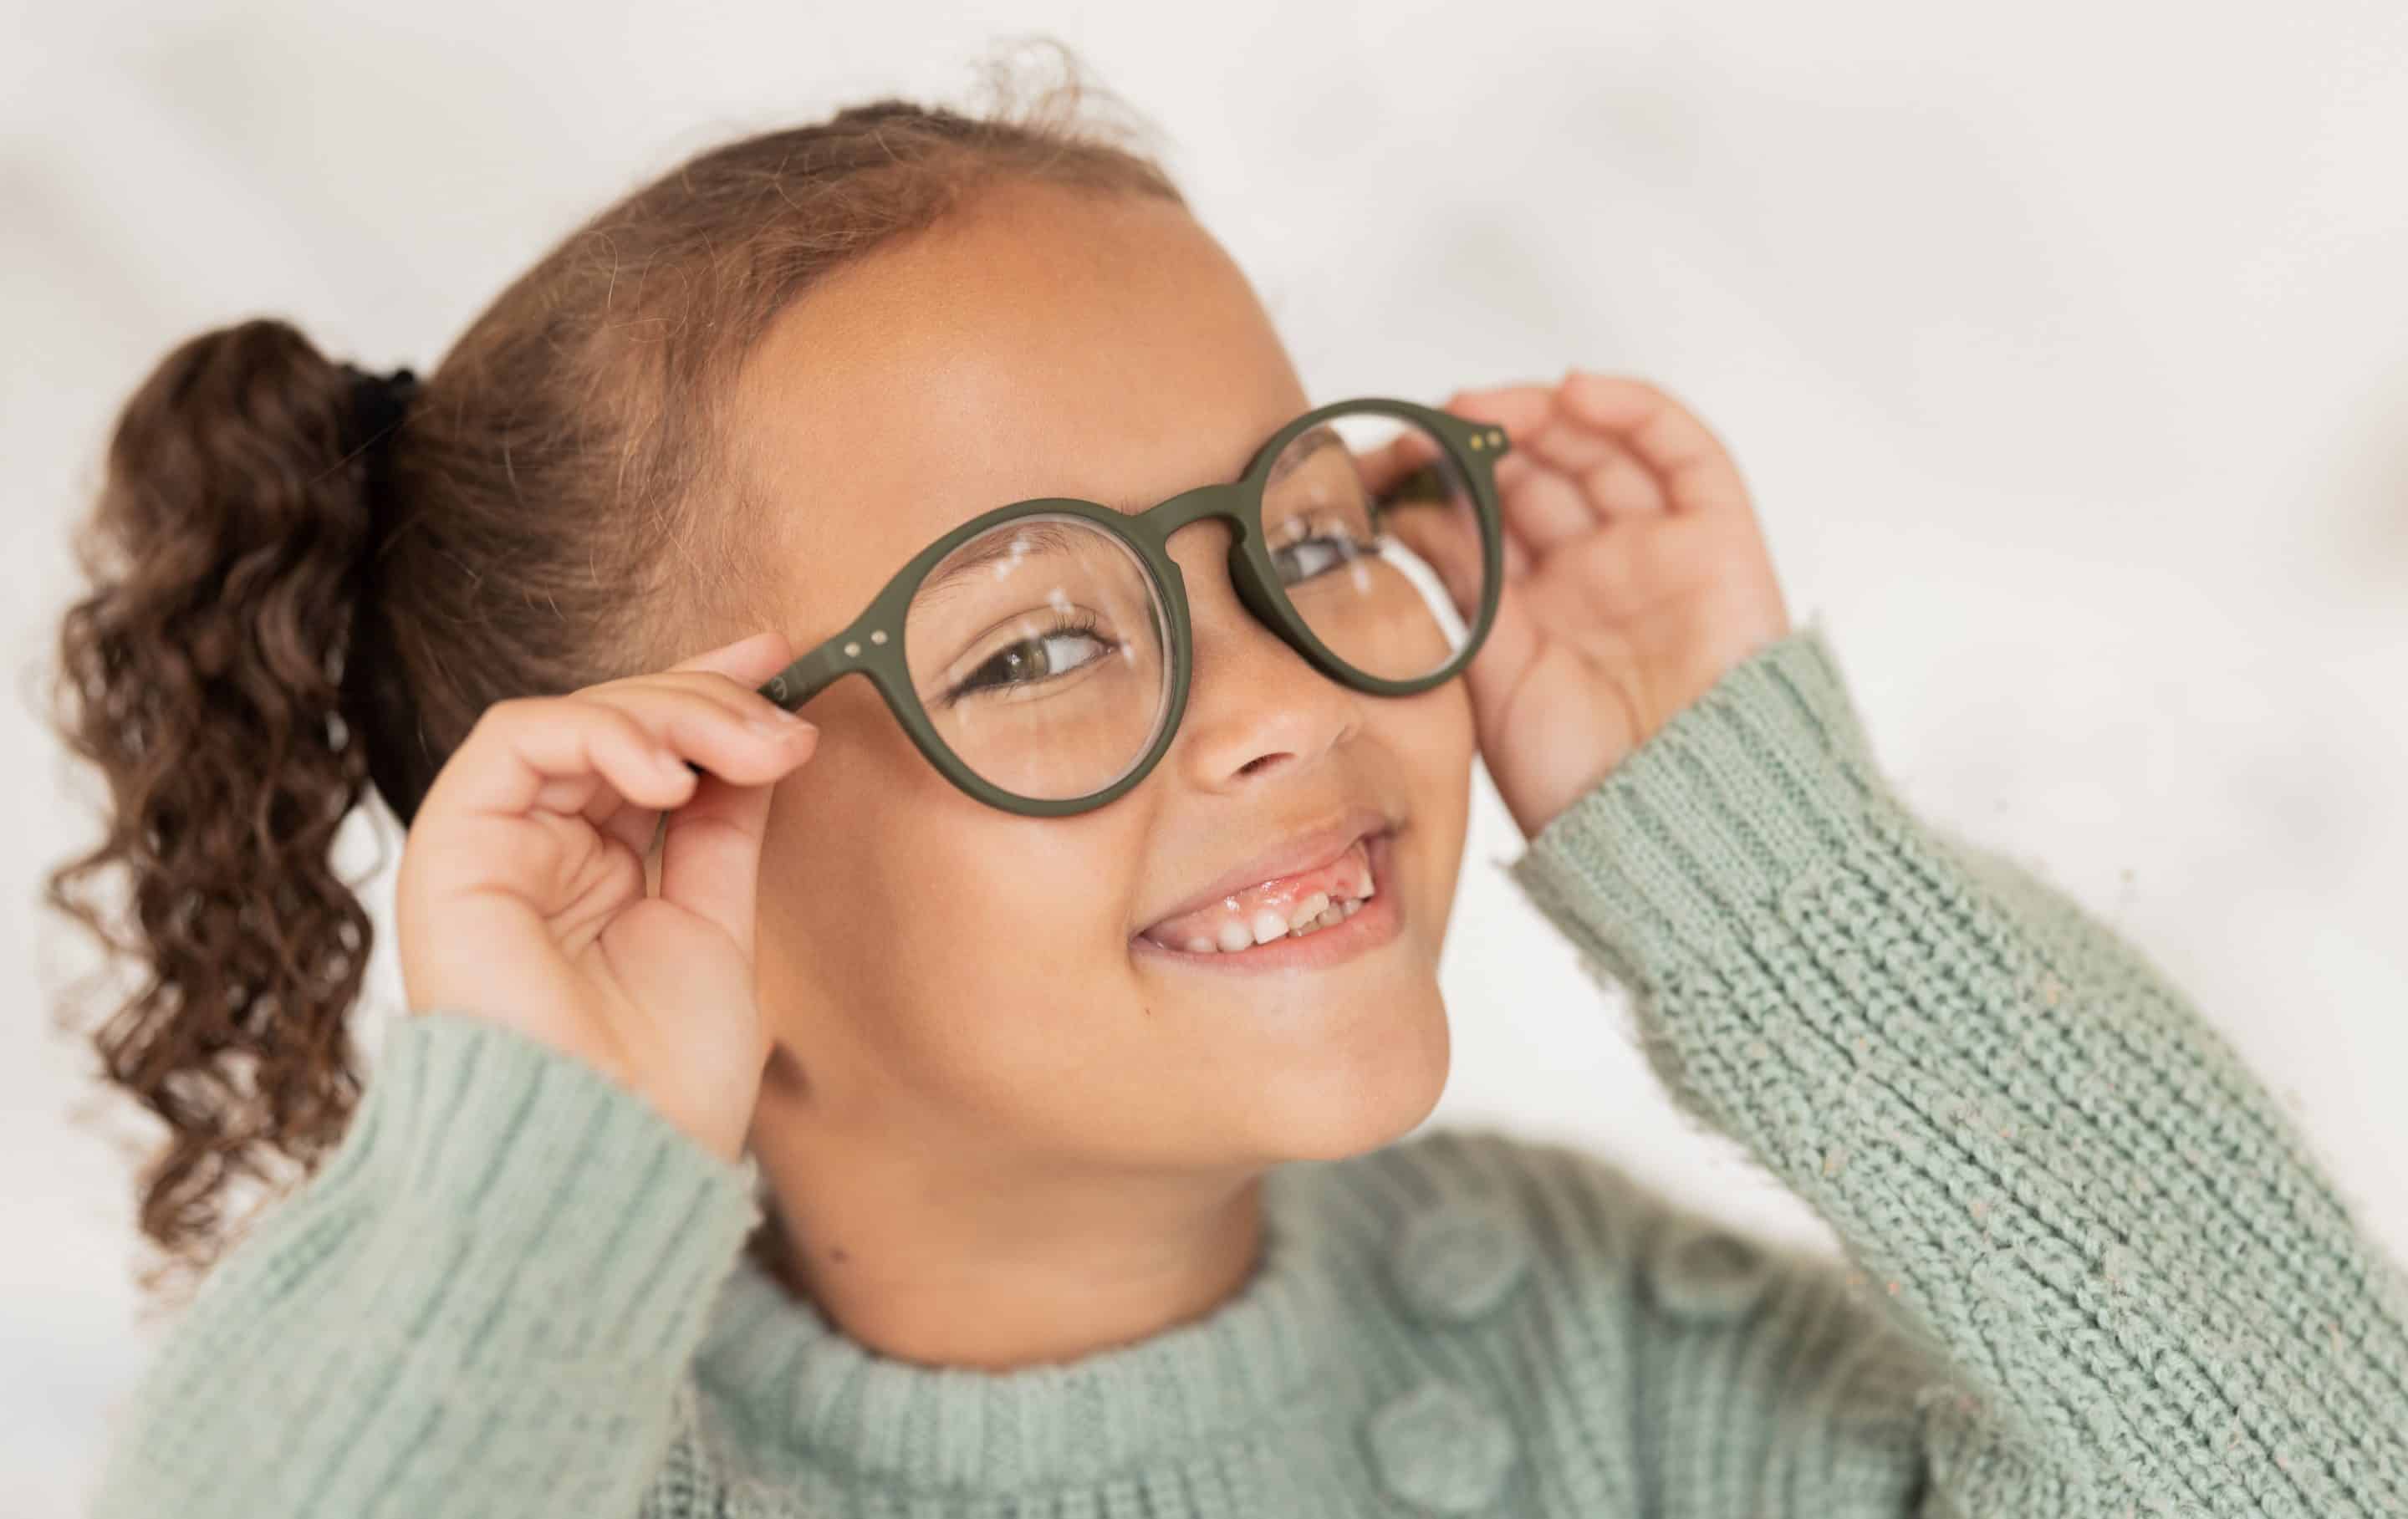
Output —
(985, 1093)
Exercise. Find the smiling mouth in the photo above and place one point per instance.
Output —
(1301, 939)
(1294, 906)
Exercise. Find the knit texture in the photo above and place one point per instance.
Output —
(2091, 1267)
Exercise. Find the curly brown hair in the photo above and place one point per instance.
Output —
(259, 646)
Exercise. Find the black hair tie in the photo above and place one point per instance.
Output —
(378, 404)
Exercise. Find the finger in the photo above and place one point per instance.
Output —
(1517, 556)
(631, 823)
(1518, 409)
(727, 676)
(520, 744)
(731, 674)
(730, 731)
(1541, 508)
(773, 741)
(1692, 468)
(1543, 505)
(710, 855)
(601, 804)
(1625, 573)
(619, 731)
(749, 660)
(1520, 556)
(1384, 467)
(1447, 539)
(1617, 485)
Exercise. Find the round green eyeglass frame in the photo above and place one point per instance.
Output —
(872, 643)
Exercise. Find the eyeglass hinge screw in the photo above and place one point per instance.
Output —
(878, 635)
(851, 650)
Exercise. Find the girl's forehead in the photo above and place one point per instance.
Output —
(1107, 352)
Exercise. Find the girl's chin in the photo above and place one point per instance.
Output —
(1362, 1120)
(1332, 1086)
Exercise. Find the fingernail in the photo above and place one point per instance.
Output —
(787, 725)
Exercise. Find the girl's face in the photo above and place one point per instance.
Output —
(948, 979)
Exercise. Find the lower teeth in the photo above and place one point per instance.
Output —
(1330, 918)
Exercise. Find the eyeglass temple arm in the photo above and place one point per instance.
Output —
(807, 676)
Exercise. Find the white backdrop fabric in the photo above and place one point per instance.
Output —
(2065, 347)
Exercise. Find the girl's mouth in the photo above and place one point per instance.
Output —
(1315, 918)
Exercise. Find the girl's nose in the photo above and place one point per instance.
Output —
(1256, 706)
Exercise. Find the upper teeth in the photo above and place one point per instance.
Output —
(1312, 914)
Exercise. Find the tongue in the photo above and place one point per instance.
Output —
(1343, 877)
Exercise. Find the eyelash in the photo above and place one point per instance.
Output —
(1083, 622)
(1307, 535)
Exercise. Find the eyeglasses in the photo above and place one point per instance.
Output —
(1039, 655)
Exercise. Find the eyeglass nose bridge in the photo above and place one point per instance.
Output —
(1226, 500)
(1233, 502)
(1249, 573)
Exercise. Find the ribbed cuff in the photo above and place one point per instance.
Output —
(576, 1223)
(492, 1288)
(1766, 778)
(2060, 1179)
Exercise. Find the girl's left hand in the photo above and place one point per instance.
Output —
(1635, 576)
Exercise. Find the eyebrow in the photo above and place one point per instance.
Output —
(1040, 536)
(1316, 438)
(1045, 537)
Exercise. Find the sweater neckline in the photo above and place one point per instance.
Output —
(802, 1382)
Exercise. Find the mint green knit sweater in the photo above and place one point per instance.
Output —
(2091, 1271)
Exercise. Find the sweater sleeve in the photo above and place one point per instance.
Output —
(485, 1298)
(2070, 1199)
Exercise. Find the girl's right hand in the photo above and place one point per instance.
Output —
(521, 893)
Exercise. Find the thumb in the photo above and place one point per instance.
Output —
(710, 847)
(710, 850)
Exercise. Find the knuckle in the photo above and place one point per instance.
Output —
(504, 713)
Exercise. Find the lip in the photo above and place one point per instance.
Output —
(1301, 851)
(1380, 920)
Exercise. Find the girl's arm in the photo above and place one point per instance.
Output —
(2120, 1282)
(485, 1298)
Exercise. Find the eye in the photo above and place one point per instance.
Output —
(1052, 652)
(1316, 548)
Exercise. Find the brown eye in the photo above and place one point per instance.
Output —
(1051, 652)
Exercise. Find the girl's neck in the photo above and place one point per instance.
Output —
(982, 1269)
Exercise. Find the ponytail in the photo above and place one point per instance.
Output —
(202, 676)
(259, 646)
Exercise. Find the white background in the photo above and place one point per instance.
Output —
(2064, 345)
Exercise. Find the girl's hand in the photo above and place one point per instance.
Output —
(522, 895)
(1635, 576)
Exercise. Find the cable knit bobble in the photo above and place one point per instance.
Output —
(1457, 1260)
(1701, 1270)
(1437, 1447)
